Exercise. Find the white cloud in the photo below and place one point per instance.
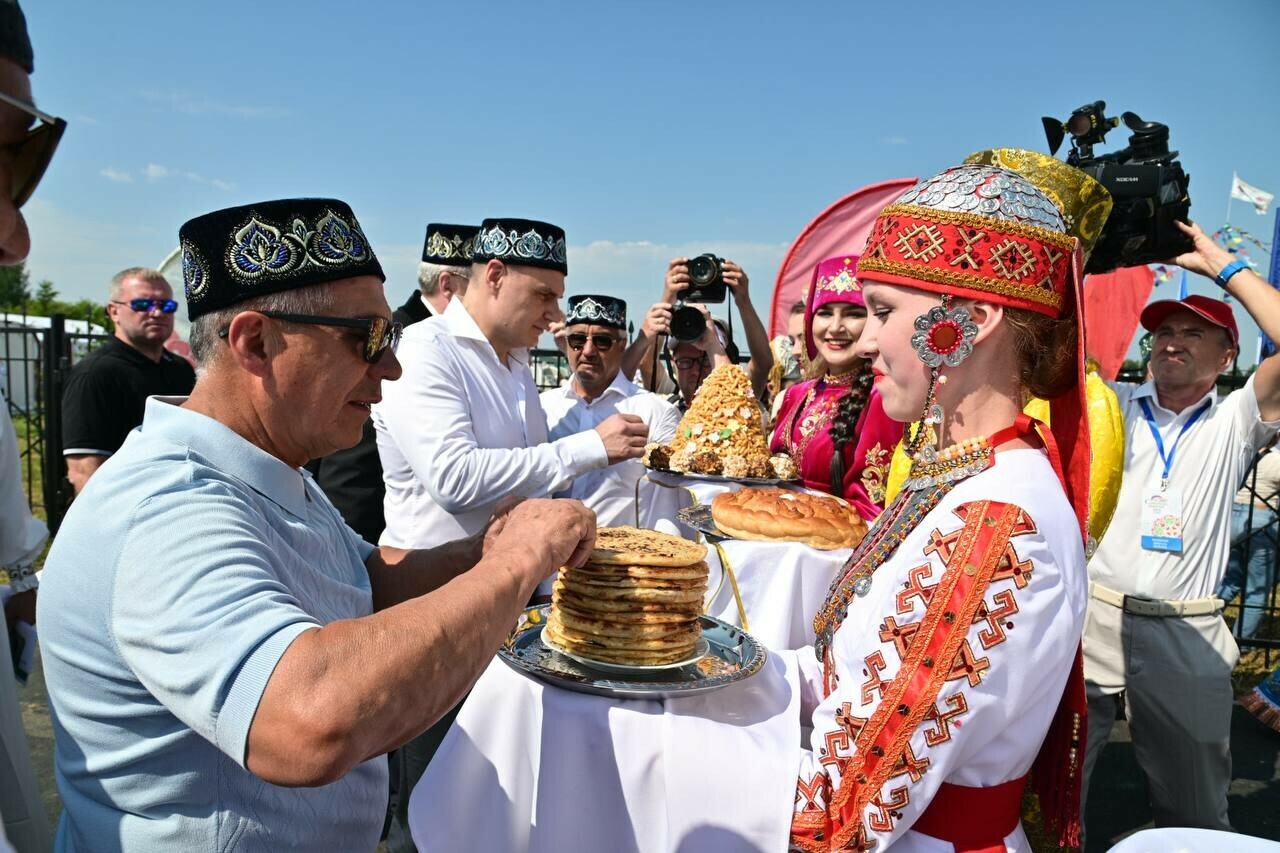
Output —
(116, 175)
(194, 105)
(155, 172)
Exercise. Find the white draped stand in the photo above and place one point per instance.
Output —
(528, 767)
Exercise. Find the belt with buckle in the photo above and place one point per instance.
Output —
(1139, 606)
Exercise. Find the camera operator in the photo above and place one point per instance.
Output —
(1154, 635)
(658, 322)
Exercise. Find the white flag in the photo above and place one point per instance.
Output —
(1260, 199)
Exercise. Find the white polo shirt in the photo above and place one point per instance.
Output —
(611, 491)
(460, 430)
(1211, 460)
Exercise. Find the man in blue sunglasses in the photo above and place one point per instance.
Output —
(107, 391)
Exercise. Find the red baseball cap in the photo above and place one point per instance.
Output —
(1214, 311)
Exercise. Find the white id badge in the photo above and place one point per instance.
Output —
(1161, 520)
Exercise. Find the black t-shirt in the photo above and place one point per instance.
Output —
(107, 391)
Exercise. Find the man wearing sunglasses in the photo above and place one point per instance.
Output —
(107, 390)
(228, 662)
(594, 340)
(28, 138)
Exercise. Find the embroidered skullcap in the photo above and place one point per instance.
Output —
(834, 280)
(15, 44)
(597, 310)
(1085, 204)
(522, 242)
(238, 253)
(449, 245)
(978, 231)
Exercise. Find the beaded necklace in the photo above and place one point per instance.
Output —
(932, 476)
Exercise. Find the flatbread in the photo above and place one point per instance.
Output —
(639, 594)
(632, 546)
(627, 610)
(596, 626)
(581, 639)
(696, 571)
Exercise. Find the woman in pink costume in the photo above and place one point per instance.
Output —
(834, 425)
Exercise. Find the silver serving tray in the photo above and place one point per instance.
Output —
(720, 478)
(699, 518)
(732, 655)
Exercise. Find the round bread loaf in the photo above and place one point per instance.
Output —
(773, 514)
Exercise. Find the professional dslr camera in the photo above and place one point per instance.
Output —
(1146, 182)
(706, 284)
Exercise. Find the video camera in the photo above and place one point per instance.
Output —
(706, 284)
(1146, 182)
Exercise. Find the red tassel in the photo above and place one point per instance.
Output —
(1059, 768)
(1058, 771)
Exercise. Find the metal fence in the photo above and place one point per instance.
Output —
(36, 354)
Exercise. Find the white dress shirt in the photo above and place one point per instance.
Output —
(1208, 466)
(460, 430)
(611, 491)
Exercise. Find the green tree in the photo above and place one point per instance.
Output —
(46, 295)
(15, 286)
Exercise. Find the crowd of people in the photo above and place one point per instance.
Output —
(297, 558)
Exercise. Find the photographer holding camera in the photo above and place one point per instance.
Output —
(682, 315)
(1154, 635)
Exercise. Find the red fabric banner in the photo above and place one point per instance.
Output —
(1112, 303)
(842, 227)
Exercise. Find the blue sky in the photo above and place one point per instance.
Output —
(646, 130)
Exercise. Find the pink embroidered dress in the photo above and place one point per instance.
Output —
(803, 427)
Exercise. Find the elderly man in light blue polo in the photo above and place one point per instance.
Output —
(227, 662)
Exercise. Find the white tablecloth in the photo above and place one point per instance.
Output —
(528, 767)
(781, 585)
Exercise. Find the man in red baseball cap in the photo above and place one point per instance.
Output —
(1154, 634)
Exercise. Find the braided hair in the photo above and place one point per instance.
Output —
(844, 426)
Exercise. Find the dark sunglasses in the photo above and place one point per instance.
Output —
(31, 154)
(602, 342)
(381, 334)
(168, 306)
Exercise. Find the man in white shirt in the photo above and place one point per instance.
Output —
(1154, 631)
(594, 342)
(464, 428)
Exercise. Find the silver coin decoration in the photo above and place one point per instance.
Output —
(990, 191)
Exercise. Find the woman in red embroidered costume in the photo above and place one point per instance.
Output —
(947, 651)
(834, 425)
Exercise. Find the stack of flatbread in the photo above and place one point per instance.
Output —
(636, 601)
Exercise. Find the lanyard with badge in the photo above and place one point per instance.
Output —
(1161, 528)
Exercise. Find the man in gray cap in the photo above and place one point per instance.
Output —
(28, 138)
(228, 663)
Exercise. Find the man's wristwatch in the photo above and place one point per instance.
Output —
(1229, 270)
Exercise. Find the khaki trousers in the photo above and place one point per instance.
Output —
(25, 822)
(1175, 677)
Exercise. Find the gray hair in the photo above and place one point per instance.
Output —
(313, 299)
(147, 274)
(429, 276)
